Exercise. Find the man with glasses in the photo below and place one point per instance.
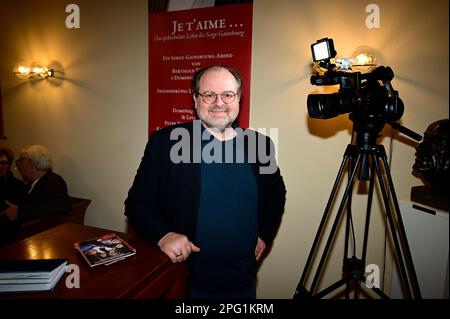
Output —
(218, 213)
(12, 191)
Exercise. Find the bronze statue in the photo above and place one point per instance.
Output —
(431, 166)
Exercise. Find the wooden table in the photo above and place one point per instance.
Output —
(148, 274)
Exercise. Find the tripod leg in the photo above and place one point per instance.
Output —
(349, 280)
(348, 189)
(329, 289)
(403, 273)
(378, 291)
(369, 206)
(403, 238)
(325, 216)
(349, 222)
(366, 229)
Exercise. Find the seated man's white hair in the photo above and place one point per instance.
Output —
(40, 156)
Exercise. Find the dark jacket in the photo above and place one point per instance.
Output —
(11, 190)
(165, 196)
(48, 197)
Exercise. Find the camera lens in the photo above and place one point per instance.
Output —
(326, 106)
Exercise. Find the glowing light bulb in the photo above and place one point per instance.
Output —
(21, 71)
(38, 71)
(363, 59)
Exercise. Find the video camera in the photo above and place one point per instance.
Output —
(372, 102)
(361, 94)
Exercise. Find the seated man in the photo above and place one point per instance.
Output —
(12, 190)
(47, 191)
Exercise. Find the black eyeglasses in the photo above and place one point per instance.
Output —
(211, 97)
(4, 163)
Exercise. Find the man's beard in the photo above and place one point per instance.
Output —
(212, 123)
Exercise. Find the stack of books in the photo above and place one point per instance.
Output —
(27, 275)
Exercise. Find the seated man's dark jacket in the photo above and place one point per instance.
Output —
(165, 196)
(48, 197)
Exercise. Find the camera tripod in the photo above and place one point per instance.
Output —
(367, 158)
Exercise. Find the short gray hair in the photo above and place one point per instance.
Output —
(39, 154)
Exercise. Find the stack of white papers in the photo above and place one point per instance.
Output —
(22, 275)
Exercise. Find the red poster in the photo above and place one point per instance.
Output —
(1, 115)
(180, 43)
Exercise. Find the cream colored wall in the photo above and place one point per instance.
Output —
(95, 121)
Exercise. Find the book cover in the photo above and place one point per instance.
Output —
(104, 250)
(30, 274)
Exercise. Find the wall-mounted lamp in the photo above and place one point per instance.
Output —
(33, 71)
